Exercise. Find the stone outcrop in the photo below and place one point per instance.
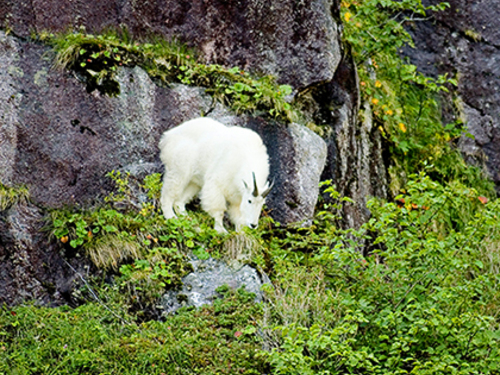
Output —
(199, 287)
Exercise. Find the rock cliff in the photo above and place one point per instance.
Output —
(59, 140)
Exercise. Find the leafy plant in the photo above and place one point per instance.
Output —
(130, 235)
(424, 300)
(218, 339)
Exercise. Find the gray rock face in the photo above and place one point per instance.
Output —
(30, 267)
(354, 162)
(61, 141)
(465, 40)
(311, 158)
(200, 285)
(298, 41)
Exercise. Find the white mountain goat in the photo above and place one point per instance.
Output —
(227, 166)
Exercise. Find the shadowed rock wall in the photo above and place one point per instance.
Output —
(464, 41)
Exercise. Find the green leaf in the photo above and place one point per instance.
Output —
(285, 90)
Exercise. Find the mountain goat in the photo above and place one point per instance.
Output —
(227, 166)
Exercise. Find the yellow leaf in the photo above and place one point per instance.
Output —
(402, 127)
(378, 84)
(347, 16)
(375, 101)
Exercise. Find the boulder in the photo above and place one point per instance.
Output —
(199, 287)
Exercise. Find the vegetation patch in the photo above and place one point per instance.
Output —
(423, 300)
(405, 103)
(10, 196)
(97, 57)
(130, 238)
(218, 339)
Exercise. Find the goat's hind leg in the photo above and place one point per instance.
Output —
(187, 195)
(170, 193)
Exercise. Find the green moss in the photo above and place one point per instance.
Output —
(97, 58)
(474, 35)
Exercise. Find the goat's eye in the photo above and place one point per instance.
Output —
(249, 201)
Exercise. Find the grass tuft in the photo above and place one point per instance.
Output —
(10, 196)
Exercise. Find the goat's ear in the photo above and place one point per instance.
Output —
(266, 192)
(246, 186)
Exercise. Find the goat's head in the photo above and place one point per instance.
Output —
(252, 201)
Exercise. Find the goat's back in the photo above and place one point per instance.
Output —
(204, 147)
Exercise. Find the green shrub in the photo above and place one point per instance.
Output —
(424, 300)
(98, 58)
(405, 103)
(218, 339)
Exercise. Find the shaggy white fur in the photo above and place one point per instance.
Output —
(226, 166)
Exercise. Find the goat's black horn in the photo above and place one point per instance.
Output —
(255, 189)
(266, 192)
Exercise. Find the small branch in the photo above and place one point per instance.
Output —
(411, 288)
